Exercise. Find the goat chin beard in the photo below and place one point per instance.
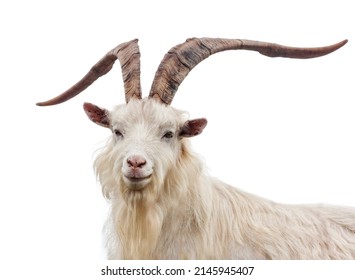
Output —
(139, 193)
(141, 214)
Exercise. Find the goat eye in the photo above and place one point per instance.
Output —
(118, 133)
(168, 135)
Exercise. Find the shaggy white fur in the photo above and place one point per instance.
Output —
(179, 212)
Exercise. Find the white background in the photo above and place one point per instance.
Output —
(279, 128)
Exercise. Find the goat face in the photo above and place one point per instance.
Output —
(146, 144)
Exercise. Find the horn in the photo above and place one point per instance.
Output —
(180, 60)
(129, 56)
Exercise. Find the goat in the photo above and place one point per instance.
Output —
(164, 205)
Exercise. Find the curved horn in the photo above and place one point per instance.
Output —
(180, 60)
(129, 56)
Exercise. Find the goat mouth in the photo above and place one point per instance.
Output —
(134, 179)
(136, 182)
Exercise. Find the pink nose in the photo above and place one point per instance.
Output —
(136, 162)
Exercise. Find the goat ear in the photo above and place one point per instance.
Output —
(98, 115)
(193, 127)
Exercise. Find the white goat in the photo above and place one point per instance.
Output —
(164, 205)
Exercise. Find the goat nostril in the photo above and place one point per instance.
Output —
(136, 162)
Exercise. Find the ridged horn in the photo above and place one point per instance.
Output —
(181, 59)
(129, 56)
